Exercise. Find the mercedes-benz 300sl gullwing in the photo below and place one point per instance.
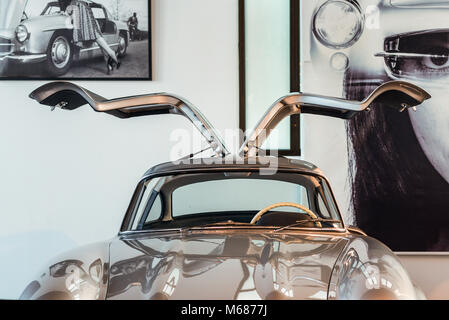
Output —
(48, 37)
(222, 226)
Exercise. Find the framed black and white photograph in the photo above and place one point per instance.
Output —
(75, 39)
(398, 168)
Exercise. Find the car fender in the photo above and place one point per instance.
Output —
(41, 29)
(79, 274)
(367, 270)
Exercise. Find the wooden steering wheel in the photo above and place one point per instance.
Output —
(283, 204)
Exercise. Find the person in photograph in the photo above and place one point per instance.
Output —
(86, 28)
(133, 25)
(400, 162)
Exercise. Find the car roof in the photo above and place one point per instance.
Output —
(89, 2)
(232, 163)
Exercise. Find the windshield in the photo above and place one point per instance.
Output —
(51, 8)
(190, 200)
(34, 8)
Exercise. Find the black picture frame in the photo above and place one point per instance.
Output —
(106, 78)
(295, 138)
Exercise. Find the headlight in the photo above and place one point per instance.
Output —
(339, 61)
(22, 33)
(338, 23)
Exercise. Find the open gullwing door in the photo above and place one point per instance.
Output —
(69, 96)
(399, 95)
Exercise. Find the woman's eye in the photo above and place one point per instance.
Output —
(420, 56)
(438, 58)
(436, 62)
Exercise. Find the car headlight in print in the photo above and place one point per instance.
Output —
(22, 33)
(419, 56)
(339, 61)
(338, 23)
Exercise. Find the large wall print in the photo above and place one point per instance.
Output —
(75, 39)
(399, 162)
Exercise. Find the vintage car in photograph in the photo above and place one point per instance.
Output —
(48, 38)
(220, 226)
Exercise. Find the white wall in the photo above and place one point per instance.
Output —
(67, 177)
(429, 272)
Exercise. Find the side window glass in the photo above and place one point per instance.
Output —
(154, 209)
(149, 189)
(151, 209)
(322, 207)
(98, 13)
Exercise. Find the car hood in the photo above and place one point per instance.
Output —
(48, 22)
(223, 265)
(11, 13)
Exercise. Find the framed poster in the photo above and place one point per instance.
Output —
(75, 39)
(398, 162)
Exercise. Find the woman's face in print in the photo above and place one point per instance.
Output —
(431, 120)
(431, 125)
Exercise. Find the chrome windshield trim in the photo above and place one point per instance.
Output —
(137, 232)
(271, 230)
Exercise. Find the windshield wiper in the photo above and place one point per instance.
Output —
(304, 221)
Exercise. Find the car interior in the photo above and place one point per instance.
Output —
(106, 26)
(157, 210)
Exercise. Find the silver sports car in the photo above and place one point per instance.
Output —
(48, 38)
(244, 226)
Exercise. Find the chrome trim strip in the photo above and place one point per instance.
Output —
(406, 4)
(97, 48)
(308, 279)
(270, 230)
(137, 232)
(384, 54)
(24, 58)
